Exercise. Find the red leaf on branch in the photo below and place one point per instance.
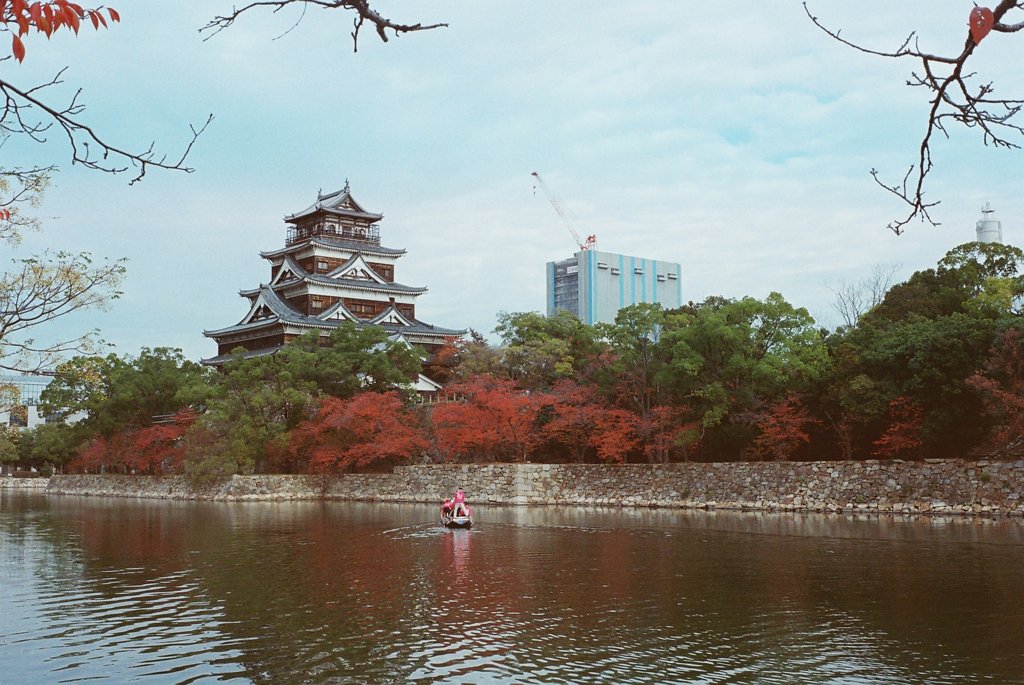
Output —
(114, 16)
(981, 22)
(71, 18)
(18, 49)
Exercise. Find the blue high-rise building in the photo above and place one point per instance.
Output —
(596, 285)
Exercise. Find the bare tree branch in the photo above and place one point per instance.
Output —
(853, 300)
(951, 98)
(364, 13)
(23, 112)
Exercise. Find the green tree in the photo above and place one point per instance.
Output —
(249, 413)
(53, 443)
(922, 343)
(632, 362)
(257, 402)
(115, 393)
(724, 358)
(538, 351)
(353, 359)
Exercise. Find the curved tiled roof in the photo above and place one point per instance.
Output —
(359, 284)
(335, 203)
(396, 288)
(337, 243)
(285, 313)
(327, 280)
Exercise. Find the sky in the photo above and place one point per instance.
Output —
(734, 138)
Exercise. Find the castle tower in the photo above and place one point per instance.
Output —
(331, 269)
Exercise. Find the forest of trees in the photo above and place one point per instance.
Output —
(935, 369)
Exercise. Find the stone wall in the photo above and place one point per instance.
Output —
(10, 482)
(939, 486)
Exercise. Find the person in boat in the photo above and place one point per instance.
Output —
(447, 506)
(459, 506)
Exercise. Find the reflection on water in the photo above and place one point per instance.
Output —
(174, 592)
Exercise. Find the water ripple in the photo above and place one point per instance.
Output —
(359, 594)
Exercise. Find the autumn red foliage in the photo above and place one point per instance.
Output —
(493, 420)
(903, 437)
(665, 432)
(47, 18)
(580, 421)
(783, 429)
(1001, 386)
(368, 429)
(151, 450)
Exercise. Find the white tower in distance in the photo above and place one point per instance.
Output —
(990, 229)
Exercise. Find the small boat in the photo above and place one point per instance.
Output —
(449, 521)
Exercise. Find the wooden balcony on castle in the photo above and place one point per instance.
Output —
(365, 233)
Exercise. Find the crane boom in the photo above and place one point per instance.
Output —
(591, 242)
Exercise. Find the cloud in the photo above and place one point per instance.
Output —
(734, 138)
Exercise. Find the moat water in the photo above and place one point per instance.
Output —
(118, 591)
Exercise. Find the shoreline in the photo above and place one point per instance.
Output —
(947, 487)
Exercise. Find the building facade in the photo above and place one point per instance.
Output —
(332, 268)
(19, 398)
(596, 285)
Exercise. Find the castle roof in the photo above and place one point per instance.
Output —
(336, 244)
(338, 203)
(355, 274)
(269, 309)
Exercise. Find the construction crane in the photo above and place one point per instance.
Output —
(591, 242)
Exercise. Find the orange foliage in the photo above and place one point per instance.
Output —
(367, 429)
(664, 431)
(151, 450)
(46, 18)
(1002, 390)
(580, 420)
(783, 428)
(496, 419)
(903, 437)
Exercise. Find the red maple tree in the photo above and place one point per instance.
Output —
(903, 436)
(665, 431)
(783, 428)
(1001, 385)
(493, 419)
(151, 450)
(91, 457)
(580, 420)
(368, 429)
